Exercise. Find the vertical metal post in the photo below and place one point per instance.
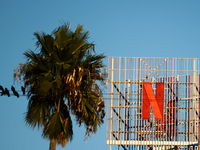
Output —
(194, 99)
(196, 107)
(128, 99)
(177, 109)
(111, 101)
(139, 100)
(119, 117)
(119, 121)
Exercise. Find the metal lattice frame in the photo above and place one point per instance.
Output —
(180, 126)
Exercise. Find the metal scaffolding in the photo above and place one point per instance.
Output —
(133, 88)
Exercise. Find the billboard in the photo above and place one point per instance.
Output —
(153, 103)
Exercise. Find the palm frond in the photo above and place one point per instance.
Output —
(37, 113)
(30, 55)
(62, 36)
(58, 127)
(46, 42)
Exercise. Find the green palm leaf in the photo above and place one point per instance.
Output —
(54, 126)
(37, 113)
(58, 127)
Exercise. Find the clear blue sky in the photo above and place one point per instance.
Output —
(130, 28)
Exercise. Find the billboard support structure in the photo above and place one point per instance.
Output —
(134, 85)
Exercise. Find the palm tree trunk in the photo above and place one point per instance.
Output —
(52, 145)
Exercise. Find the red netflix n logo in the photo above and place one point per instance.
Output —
(156, 102)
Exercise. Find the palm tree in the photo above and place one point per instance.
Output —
(63, 79)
